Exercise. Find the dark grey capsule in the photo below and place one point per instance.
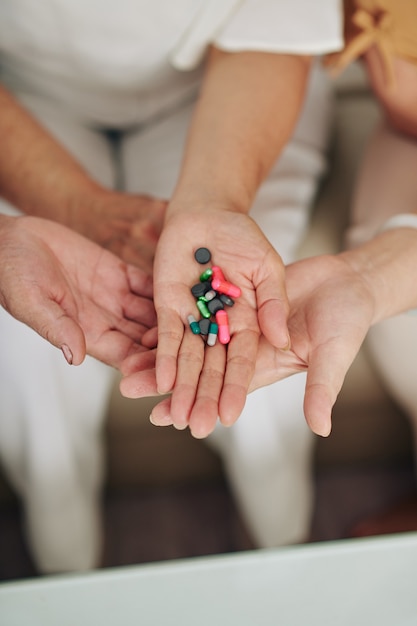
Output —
(226, 299)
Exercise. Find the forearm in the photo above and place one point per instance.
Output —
(37, 175)
(387, 264)
(246, 112)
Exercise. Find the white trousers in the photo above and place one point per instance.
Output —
(51, 415)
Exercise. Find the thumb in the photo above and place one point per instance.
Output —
(328, 366)
(273, 307)
(50, 321)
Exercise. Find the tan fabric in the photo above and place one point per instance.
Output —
(390, 25)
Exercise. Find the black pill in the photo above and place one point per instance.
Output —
(204, 326)
(202, 255)
(199, 289)
(215, 305)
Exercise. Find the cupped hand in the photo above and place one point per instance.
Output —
(331, 311)
(79, 297)
(207, 382)
(128, 225)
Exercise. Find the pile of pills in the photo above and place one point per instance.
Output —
(212, 293)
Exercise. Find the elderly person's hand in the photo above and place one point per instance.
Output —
(128, 225)
(75, 294)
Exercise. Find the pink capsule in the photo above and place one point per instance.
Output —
(223, 324)
(217, 272)
(223, 286)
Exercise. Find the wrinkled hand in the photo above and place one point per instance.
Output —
(331, 312)
(211, 382)
(76, 295)
(128, 225)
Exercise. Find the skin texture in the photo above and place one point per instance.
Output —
(399, 101)
(78, 296)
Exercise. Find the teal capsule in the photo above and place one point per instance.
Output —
(202, 307)
(194, 325)
(206, 275)
(212, 334)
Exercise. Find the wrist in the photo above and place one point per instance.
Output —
(80, 208)
(387, 265)
(198, 200)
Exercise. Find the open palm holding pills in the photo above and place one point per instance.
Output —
(213, 293)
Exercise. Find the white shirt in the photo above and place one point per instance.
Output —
(120, 62)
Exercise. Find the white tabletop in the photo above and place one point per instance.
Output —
(369, 582)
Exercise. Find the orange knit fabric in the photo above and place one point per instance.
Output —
(390, 25)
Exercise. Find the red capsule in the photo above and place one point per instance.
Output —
(217, 272)
(223, 324)
(222, 286)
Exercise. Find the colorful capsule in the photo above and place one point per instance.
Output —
(206, 275)
(217, 272)
(212, 334)
(226, 300)
(209, 295)
(202, 307)
(223, 323)
(194, 325)
(223, 286)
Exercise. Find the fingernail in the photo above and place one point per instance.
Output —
(287, 346)
(67, 354)
(162, 421)
(323, 430)
(326, 431)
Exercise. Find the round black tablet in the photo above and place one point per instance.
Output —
(202, 255)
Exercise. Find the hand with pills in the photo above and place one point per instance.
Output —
(333, 299)
(238, 287)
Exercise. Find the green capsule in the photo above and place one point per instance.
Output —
(206, 275)
(202, 307)
(194, 325)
